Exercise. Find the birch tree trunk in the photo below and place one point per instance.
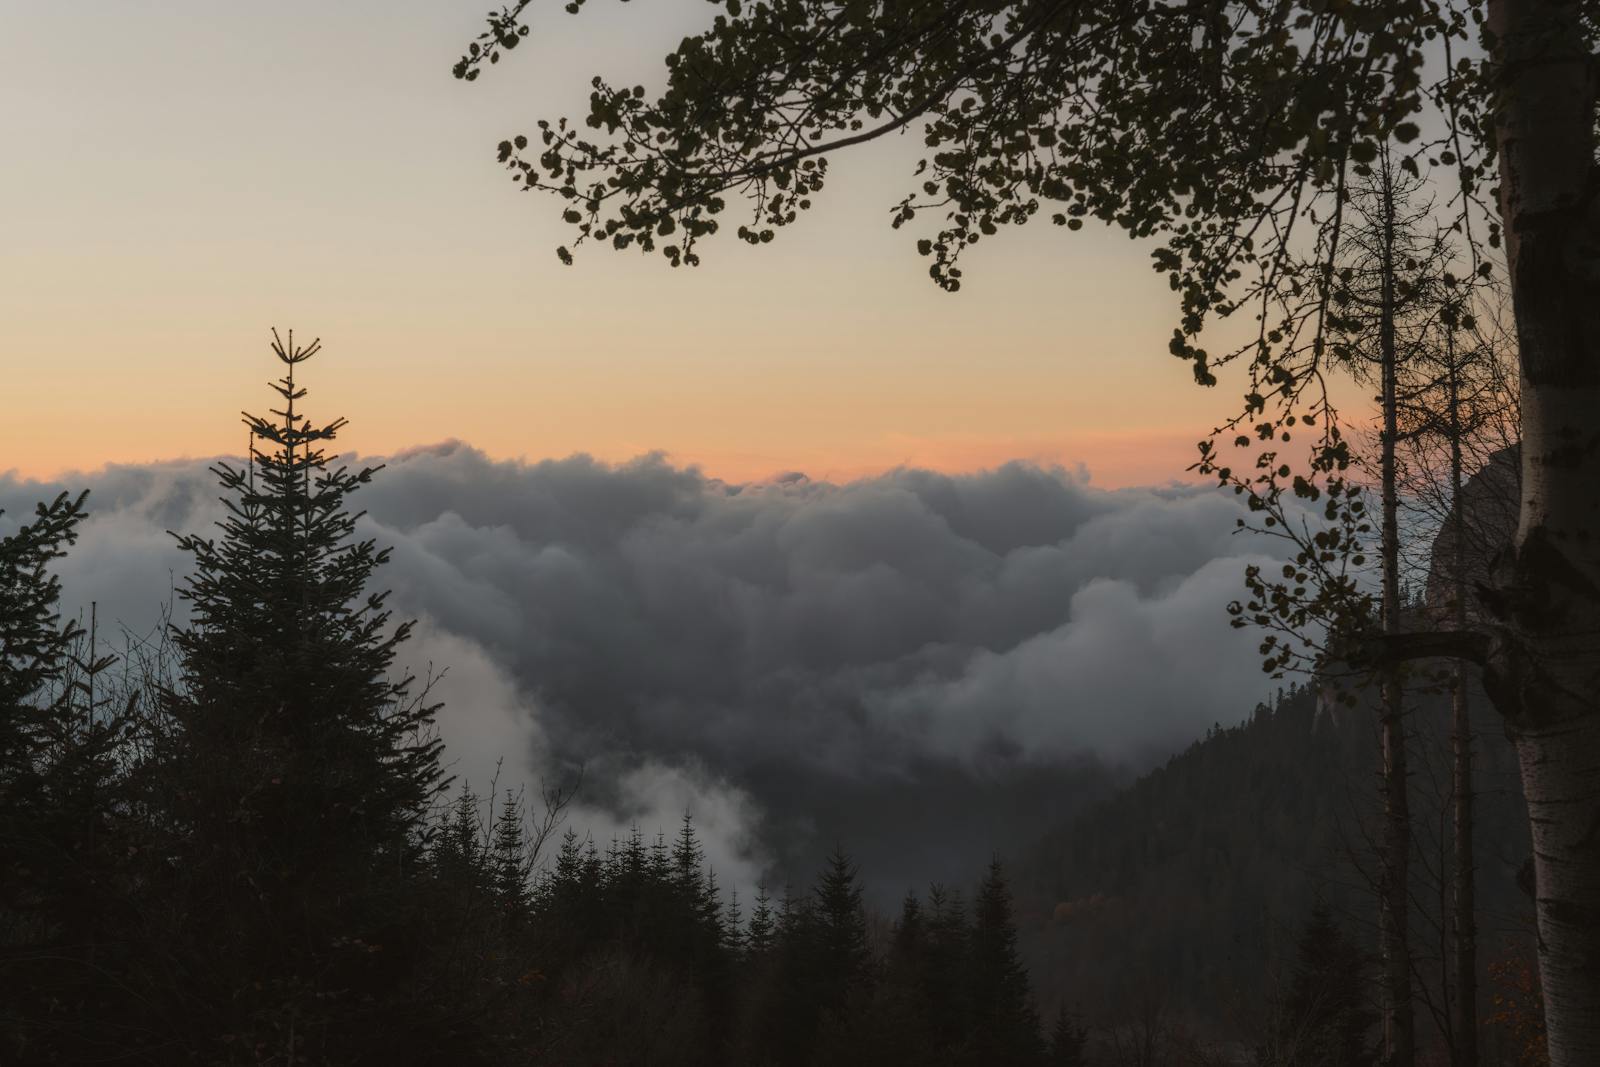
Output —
(1544, 664)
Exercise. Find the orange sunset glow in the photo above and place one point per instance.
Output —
(183, 176)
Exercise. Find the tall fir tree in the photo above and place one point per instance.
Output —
(901, 1033)
(286, 658)
(843, 958)
(508, 858)
(297, 773)
(34, 642)
(687, 857)
(1005, 1021)
(944, 973)
(457, 847)
(762, 932)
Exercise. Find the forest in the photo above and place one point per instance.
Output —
(238, 838)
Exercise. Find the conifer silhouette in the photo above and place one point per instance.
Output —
(297, 773)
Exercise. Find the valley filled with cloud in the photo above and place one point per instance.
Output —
(919, 666)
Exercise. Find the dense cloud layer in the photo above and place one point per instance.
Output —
(897, 663)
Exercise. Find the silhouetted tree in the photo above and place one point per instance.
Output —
(509, 857)
(945, 974)
(1005, 1023)
(840, 937)
(34, 642)
(457, 846)
(1387, 304)
(297, 773)
(902, 1030)
(59, 792)
(763, 925)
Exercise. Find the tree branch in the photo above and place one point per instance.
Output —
(1469, 645)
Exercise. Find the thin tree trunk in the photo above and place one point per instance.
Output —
(1393, 876)
(1465, 903)
(1465, 1045)
(1544, 665)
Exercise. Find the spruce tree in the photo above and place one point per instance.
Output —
(508, 858)
(900, 1031)
(457, 846)
(763, 925)
(34, 647)
(56, 777)
(297, 773)
(1005, 1021)
(910, 933)
(34, 643)
(841, 936)
(687, 857)
(286, 659)
(35, 655)
(732, 925)
(944, 973)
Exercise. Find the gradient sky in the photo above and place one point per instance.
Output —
(179, 176)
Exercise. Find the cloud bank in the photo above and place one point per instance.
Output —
(920, 666)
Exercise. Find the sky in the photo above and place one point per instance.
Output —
(182, 175)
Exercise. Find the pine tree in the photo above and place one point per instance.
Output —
(457, 846)
(660, 863)
(57, 783)
(841, 936)
(1005, 1021)
(508, 859)
(944, 974)
(707, 909)
(687, 857)
(285, 662)
(297, 774)
(569, 860)
(35, 654)
(910, 933)
(732, 924)
(760, 938)
(900, 1031)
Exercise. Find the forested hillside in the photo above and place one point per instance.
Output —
(1177, 904)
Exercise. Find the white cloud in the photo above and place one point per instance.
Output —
(757, 652)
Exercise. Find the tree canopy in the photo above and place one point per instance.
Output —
(1229, 135)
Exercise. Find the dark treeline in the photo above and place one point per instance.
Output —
(234, 843)
(1177, 914)
(631, 954)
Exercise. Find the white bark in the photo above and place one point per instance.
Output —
(1544, 669)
